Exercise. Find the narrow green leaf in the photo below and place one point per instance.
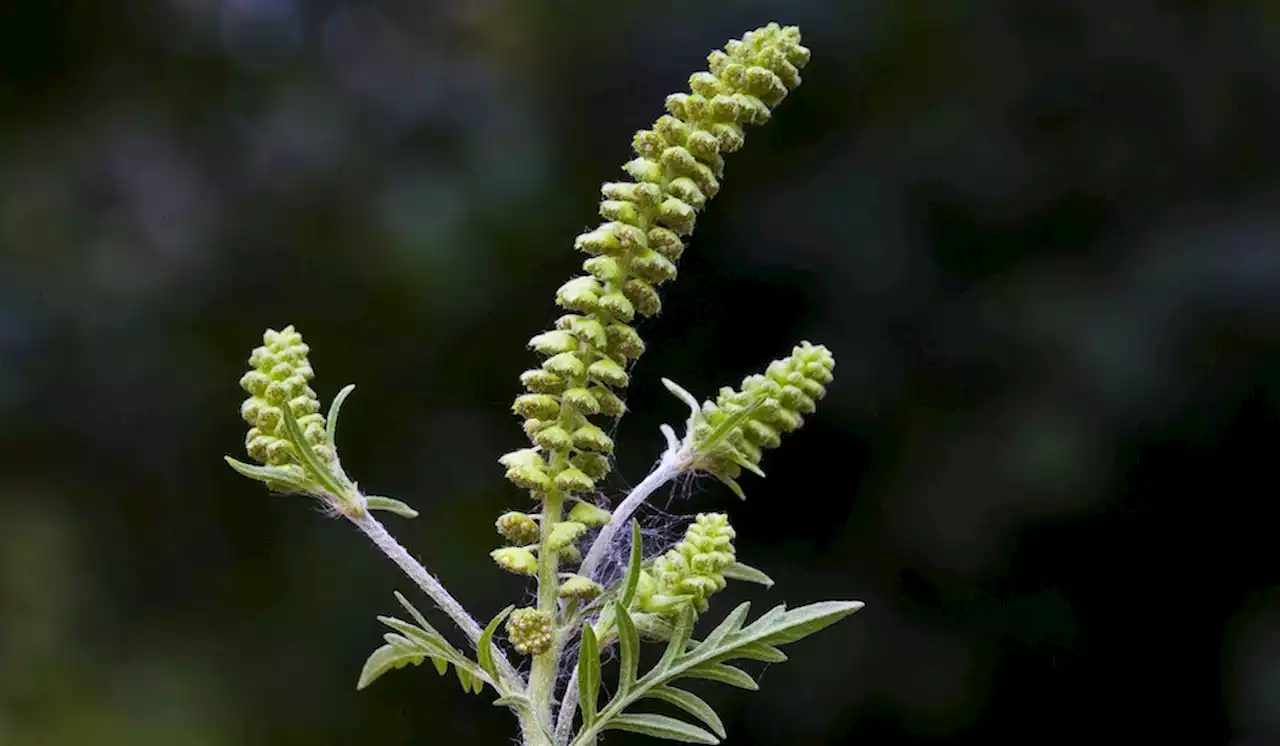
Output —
(331, 429)
(804, 621)
(428, 638)
(310, 462)
(692, 704)
(377, 502)
(754, 651)
(661, 726)
(724, 674)
(589, 675)
(484, 646)
(748, 574)
(413, 612)
(442, 665)
(741, 459)
(695, 409)
(633, 567)
(717, 436)
(629, 646)
(514, 701)
(679, 639)
(732, 623)
(384, 659)
(464, 678)
(277, 478)
(731, 484)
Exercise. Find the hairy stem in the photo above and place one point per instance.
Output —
(396, 552)
(674, 461)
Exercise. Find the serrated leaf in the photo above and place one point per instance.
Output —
(484, 646)
(589, 675)
(804, 621)
(661, 726)
(384, 659)
(732, 623)
(629, 646)
(331, 429)
(747, 574)
(390, 505)
(692, 704)
(724, 674)
(632, 580)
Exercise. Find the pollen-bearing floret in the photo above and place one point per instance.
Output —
(530, 631)
(778, 400)
(692, 570)
(279, 377)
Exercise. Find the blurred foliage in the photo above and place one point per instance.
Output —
(1041, 237)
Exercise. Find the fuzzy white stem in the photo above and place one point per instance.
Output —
(675, 460)
(396, 552)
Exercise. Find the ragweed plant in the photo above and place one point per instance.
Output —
(567, 541)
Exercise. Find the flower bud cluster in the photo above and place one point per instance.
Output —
(691, 571)
(530, 631)
(789, 389)
(678, 167)
(278, 378)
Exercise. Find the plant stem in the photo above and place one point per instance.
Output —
(674, 461)
(396, 552)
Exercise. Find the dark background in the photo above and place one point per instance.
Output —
(1041, 238)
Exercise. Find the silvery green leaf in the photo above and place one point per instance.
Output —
(633, 567)
(629, 643)
(748, 574)
(690, 703)
(384, 659)
(679, 641)
(732, 623)
(310, 461)
(331, 429)
(588, 675)
(731, 483)
(757, 651)
(377, 502)
(661, 726)
(277, 478)
(484, 646)
(804, 621)
(723, 674)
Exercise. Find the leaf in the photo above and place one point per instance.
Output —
(376, 502)
(484, 646)
(679, 638)
(717, 436)
(731, 484)
(748, 574)
(514, 701)
(723, 674)
(661, 726)
(804, 621)
(309, 460)
(758, 651)
(692, 704)
(629, 643)
(384, 659)
(732, 623)
(331, 429)
(695, 409)
(588, 675)
(417, 615)
(276, 477)
(633, 567)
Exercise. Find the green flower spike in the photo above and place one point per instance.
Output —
(730, 434)
(692, 570)
(530, 631)
(678, 167)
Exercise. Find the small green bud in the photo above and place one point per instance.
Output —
(589, 515)
(582, 400)
(570, 555)
(531, 631)
(536, 406)
(624, 341)
(610, 404)
(692, 570)
(565, 364)
(580, 294)
(573, 480)
(516, 560)
(518, 528)
(542, 381)
(607, 372)
(594, 465)
(553, 342)
(592, 438)
(643, 297)
(563, 534)
(617, 305)
(579, 588)
(553, 438)
(278, 379)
